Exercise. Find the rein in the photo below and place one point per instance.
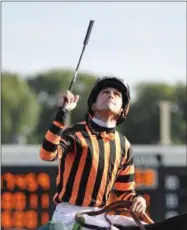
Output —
(112, 207)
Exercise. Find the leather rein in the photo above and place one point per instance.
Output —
(123, 204)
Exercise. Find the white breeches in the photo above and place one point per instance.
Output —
(65, 213)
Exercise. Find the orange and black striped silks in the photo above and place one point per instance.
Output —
(90, 165)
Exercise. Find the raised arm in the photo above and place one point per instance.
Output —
(53, 144)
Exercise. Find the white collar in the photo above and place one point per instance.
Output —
(102, 123)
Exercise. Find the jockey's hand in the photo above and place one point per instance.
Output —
(139, 205)
(70, 100)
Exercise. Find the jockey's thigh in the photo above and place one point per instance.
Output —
(66, 220)
(65, 213)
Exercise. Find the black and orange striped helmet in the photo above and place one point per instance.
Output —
(114, 82)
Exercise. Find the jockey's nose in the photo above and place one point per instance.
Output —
(111, 94)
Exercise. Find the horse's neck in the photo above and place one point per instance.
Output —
(178, 222)
(173, 223)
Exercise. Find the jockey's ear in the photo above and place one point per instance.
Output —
(93, 106)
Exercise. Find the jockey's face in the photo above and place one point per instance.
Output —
(109, 100)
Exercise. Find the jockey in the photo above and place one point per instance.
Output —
(95, 160)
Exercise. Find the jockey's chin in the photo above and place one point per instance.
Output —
(109, 110)
(113, 107)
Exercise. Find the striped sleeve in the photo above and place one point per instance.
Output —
(124, 186)
(53, 144)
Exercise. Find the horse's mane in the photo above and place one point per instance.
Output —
(174, 223)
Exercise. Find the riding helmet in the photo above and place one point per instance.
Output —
(114, 82)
